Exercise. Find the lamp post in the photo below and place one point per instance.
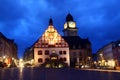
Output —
(89, 61)
(13, 64)
(4, 58)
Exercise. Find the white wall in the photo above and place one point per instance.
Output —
(43, 56)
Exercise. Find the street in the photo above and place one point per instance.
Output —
(56, 74)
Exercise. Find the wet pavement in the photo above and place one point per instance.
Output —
(56, 74)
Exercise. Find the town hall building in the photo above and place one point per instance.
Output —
(70, 49)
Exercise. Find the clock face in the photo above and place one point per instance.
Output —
(71, 24)
(65, 25)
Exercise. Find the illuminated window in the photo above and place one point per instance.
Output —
(39, 52)
(53, 51)
(46, 52)
(40, 60)
(53, 58)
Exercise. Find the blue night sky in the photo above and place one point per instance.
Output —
(25, 20)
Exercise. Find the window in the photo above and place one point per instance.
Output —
(40, 60)
(74, 54)
(60, 52)
(61, 59)
(46, 52)
(39, 52)
(80, 53)
(64, 59)
(64, 52)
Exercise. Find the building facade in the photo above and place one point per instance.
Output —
(8, 49)
(80, 49)
(50, 44)
(109, 55)
(69, 48)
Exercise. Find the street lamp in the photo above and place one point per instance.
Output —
(89, 61)
(13, 63)
(4, 58)
(21, 63)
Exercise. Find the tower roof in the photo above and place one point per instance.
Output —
(69, 17)
(50, 21)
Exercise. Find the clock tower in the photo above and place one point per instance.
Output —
(70, 28)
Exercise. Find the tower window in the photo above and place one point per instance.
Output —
(40, 60)
(40, 52)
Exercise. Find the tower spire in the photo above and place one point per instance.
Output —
(50, 21)
(69, 17)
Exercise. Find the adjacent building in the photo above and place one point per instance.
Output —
(109, 55)
(70, 48)
(80, 49)
(8, 49)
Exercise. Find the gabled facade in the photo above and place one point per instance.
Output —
(69, 48)
(51, 43)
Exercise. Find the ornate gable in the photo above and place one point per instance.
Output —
(51, 38)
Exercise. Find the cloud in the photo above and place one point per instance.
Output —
(97, 19)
